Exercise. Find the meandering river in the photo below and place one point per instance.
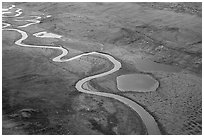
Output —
(82, 85)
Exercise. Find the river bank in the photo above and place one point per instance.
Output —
(43, 103)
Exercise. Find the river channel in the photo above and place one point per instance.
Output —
(83, 84)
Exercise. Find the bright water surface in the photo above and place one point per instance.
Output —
(45, 34)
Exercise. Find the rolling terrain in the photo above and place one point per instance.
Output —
(39, 96)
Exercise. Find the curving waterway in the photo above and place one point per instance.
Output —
(82, 85)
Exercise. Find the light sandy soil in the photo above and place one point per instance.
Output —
(166, 33)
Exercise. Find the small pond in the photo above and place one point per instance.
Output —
(137, 82)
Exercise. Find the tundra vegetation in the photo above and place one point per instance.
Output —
(39, 95)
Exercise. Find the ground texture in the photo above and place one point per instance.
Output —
(39, 96)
